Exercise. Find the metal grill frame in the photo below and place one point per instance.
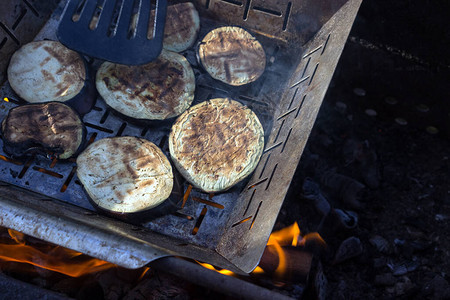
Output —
(303, 41)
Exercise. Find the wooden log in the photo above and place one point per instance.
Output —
(228, 285)
(295, 263)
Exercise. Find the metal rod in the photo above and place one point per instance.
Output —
(224, 284)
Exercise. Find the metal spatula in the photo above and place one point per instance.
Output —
(114, 30)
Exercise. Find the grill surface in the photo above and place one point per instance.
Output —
(302, 41)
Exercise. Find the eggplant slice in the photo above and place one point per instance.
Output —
(232, 55)
(47, 71)
(158, 90)
(182, 27)
(125, 175)
(43, 128)
(216, 144)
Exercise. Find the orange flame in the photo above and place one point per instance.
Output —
(58, 259)
(221, 271)
(289, 236)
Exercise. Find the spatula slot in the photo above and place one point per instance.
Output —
(135, 18)
(97, 13)
(112, 30)
(76, 15)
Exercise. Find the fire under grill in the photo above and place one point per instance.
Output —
(43, 197)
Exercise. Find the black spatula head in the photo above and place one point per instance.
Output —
(114, 30)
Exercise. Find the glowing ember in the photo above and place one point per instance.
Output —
(58, 259)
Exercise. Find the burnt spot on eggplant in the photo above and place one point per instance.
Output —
(51, 127)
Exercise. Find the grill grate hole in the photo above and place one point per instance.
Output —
(53, 164)
(47, 172)
(121, 129)
(287, 138)
(313, 74)
(199, 220)
(10, 33)
(272, 147)
(105, 116)
(69, 179)
(326, 43)
(3, 42)
(256, 214)
(234, 2)
(267, 11)
(26, 167)
(10, 160)
(271, 177)
(32, 8)
(92, 138)
(257, 183)
(186, 195)
(242, 221)
(300, 107)
(279, 131)
(265, 165)
(249, 202)
(98, 127)
(19, 19)
(183, 216)
(247, 8)
(286, 16)
(207, 202)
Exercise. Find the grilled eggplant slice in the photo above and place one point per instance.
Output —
(159, 90)
(125, 175)
(46, 128)
(46, 71)
(182, 27)
(232, 55)
(216, 144)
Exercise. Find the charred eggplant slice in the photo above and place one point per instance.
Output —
(43, 128)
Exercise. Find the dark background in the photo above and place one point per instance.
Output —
(396, 63)
(401, 49)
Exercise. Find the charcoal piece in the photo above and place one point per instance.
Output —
(438, 287)
(350, 248)
(403, 267)
(345, 188)
(381, 244)
(347, 219)
(311, 191)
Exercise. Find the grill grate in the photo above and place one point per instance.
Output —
(229, 229)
